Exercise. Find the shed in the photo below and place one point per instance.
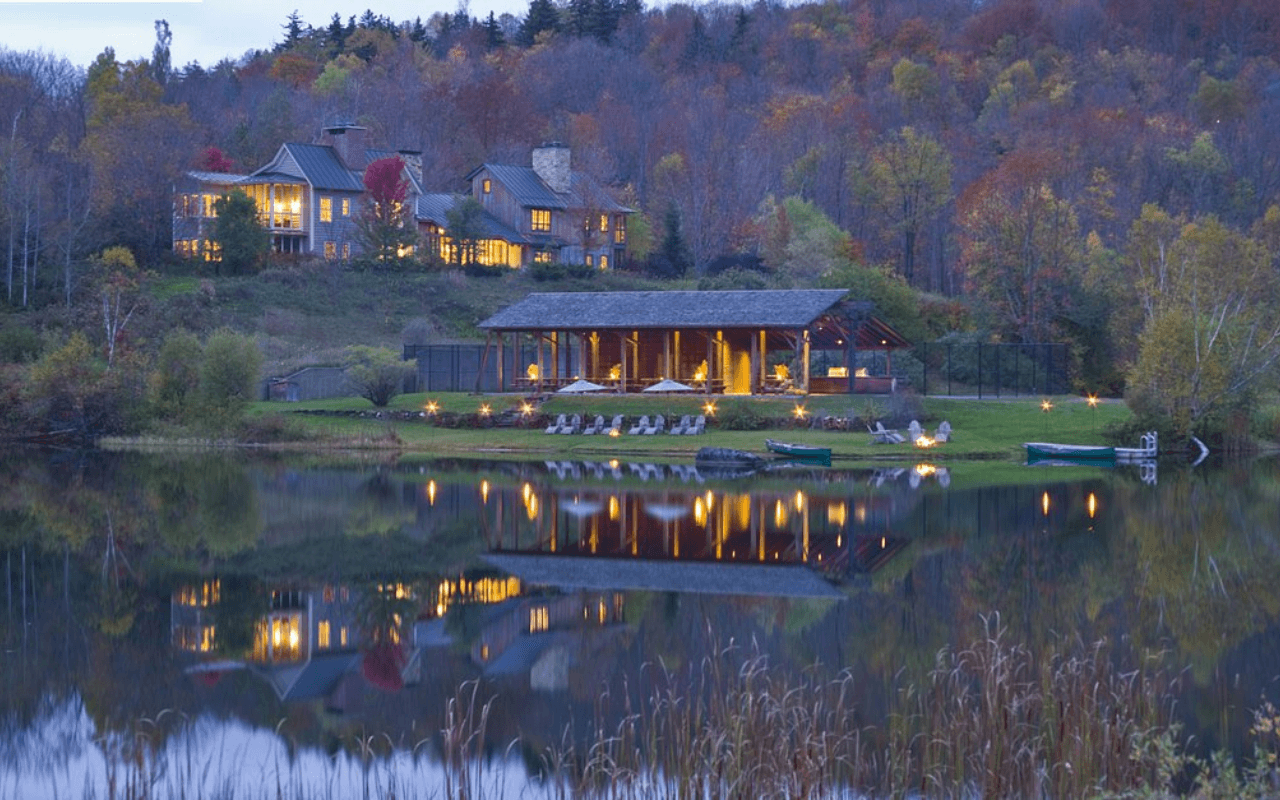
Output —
(731, 342)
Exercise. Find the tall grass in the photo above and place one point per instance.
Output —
(992, 719)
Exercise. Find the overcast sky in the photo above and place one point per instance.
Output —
(205, 32)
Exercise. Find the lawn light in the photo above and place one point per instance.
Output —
(800, 411)
(485, 410)
(1046, 405)
(1092, 400)
(709, 408)
(432, 408)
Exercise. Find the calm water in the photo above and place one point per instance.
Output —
(266, 623)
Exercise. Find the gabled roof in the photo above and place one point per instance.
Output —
(530, 191)
(791, 309)
(435, 208)
(318, 164)
(370, 156)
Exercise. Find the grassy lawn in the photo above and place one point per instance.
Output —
(981, 428)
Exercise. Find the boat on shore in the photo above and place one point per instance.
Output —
(1093, 454)
(799, 452)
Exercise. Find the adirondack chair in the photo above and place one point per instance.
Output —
(681, 427)
(699, 426)
(557, 425)
(616, 425)
(596, 426)
(659, 423)
(943, 433)
(915, 431)
(575, 425)
(881, 435)
(640, 426)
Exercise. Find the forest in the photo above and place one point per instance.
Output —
(1096, 172)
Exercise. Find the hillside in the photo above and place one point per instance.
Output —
(304, 316)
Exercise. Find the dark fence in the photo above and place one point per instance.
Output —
(933, 368)
(985, 370)
(455, 367)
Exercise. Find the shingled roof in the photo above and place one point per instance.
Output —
(790, 309)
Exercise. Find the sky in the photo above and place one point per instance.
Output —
(206, 32)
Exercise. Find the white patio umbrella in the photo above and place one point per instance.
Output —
(668, 385)
(667, 512)
(581, 386)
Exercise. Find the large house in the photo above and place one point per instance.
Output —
(308, 197)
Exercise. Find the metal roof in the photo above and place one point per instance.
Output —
(323, 169)
(216, 177)
(530, 191)
(790, 308)
(435, 208)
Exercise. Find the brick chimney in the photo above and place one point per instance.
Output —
(551, 163)
(350, 142)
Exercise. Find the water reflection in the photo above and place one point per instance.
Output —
(349, 599)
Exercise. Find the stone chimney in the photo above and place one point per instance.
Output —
(551, 163)
(413, 162)
(350, 142)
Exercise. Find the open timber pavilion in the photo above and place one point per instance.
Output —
(716, 342)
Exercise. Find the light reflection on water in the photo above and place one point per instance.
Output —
(561, 578)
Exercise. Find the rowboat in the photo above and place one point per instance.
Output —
(1092, 454)
(801, 452)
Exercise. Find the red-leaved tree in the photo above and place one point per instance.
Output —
(386, 224)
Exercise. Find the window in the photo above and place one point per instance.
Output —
(346, 253)
(540, 219)
(591, 260)
(330, 250)
(485, 185)
(322, 635)
(604, 223)
(346, 206)
(542, 257)
(604, 262)
(620, 229)
(207, 201)
(326, 209)
(342, 636)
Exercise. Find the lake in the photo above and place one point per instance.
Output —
(226, 625)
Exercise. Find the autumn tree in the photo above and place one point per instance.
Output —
(910, 184)
(1022, 252)
(120, 293)
(1212, 332)
(385, 225)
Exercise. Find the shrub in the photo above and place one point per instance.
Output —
(229, 373)
(741, 416)
(19, 344)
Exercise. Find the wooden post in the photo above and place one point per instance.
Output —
(755, 366)
(484, 359)
(711, 368)
(805, 356)
(501, 373)
(622, 374)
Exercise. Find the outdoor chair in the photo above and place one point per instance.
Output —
(596, 426)
(615, 426)
(640, 426)
(943, 434)
(557, 425)
(881, 435)
(681, 427)
(659, 423)
(915, 431)
(575, 425)
(699, 426)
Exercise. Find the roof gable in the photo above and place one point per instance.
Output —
(317, 164)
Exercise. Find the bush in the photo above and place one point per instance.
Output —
(19, 344)
(741, 416)
(271, 428)
(476, 270)
(229, 373)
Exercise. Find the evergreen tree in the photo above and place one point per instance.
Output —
(292, 32)
(243, 240)
(672, 259)
(542, 17)
(493, 36)
(161, 62)
(336, 35)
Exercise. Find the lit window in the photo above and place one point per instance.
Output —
(604, 223)
(542, 257)
(326, 209)
(342, 636)
(540, 219)
(328, 593)
(604, 262)
(591, 260)
(346, 253)
(620, 228)
(209, 210)
(330, 250)
(322, 635)
(346, 206)
(485, 186)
